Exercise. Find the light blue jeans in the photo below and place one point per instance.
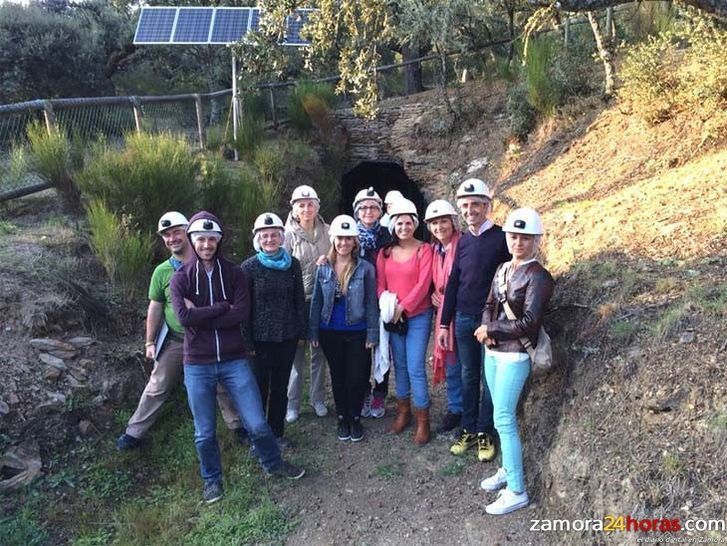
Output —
(410, 353)
(505, 379)
(237, 377)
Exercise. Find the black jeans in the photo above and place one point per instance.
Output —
(272, 364)
(347, 359)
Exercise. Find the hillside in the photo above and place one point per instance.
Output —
(633, 420)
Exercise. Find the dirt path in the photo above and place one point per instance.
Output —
(386, 490)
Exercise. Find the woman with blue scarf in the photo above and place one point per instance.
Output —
(278, 322)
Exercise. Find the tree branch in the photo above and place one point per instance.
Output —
(718, 8)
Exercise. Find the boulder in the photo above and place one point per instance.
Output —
(21, 465)
(4, 408)
(80, 342)
(55, 347)
(52, 373)
(51, 360)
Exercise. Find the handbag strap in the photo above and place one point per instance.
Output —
(502, 288)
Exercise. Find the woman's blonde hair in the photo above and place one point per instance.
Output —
(348, 270)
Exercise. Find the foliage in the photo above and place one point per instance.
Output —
(50, 155)
(237, 196)
(522, 117)
(679, 70)
(37, 47)
(151, 175)
(309, 104)
(251, 130)
(543, 90)
(124, 253)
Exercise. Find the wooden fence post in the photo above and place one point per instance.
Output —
(200, 121)
(273, 108)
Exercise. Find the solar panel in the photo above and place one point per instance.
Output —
(230, 25)
(293, 25)
(224, 25)
(193, 26)
(155, 25)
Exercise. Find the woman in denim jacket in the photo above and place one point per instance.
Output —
(344, 320)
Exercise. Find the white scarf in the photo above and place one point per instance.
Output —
(382, 353)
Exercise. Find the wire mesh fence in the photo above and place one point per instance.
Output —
(205, 120)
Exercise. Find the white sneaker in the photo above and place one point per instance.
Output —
(291, 416)
(507, 502)
(495, 482)
(320, 409)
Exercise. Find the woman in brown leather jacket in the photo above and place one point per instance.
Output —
(527, 286)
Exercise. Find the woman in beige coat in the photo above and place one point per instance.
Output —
(306, 238)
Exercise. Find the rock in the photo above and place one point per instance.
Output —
(22, 464)
(52, 373)
(78, 373)
(477, 164)
(13, 399)
(81, 342)
(610, 283)
(686, 337)
(4, 408)
(85, 427)
(51, 360)
(56, 401)
(57, 348)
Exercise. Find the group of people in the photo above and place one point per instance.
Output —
(360, 294)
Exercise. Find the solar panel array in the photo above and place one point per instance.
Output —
(191, 25)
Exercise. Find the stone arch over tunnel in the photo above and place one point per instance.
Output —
(384, 176)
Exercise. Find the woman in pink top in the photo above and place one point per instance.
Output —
(404, 268)
(443, 224)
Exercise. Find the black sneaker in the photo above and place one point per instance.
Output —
(357, 432)
(286, 470)
(450, 422)
(344, 430)
(126, 442)
(212, 492)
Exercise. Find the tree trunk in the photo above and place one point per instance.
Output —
(412, 72)
(605, 52)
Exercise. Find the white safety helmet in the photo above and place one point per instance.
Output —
(363, 195)
(267, 220)
(304, 192)
(343, 226)
(392, 196)
(524, 220)
(204, 224)
(439, 208)
(170, 220)
(403, 206)
(474, 187)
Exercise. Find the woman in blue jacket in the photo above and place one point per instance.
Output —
(344, 320)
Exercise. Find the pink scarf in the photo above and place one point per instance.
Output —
(442, 267)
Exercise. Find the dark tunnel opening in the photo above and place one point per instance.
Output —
(384, 176)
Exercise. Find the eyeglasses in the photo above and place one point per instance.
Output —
(367, 208)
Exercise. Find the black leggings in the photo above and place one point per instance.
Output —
(272, 364)
(349, 364)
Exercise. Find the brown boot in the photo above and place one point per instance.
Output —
(422, 434)
(403, 416)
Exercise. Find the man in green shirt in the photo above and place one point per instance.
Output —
(165, 338)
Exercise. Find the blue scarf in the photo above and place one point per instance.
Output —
(281, 260)
(368, 236)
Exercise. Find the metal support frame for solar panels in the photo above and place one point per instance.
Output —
(144, 33)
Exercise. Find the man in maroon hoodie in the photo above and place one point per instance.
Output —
(210, 298)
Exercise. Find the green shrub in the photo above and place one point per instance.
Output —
(151, 175)
(237, 195)
(251, 130)
(51, 156)
(309, 105)
(124, 253)
(522, 117)
(544, 91)
(679, 70)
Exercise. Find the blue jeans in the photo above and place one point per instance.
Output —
(237, 377)
(476, 411)
(410, 353)
(454, 387)
(506, 378)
